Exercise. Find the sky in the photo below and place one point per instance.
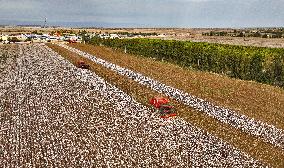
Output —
(144, 13)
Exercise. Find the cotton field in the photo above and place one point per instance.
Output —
(54, 114)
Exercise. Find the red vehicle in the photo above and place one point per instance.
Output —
(72, 41)
(163, 105)
(82, 64)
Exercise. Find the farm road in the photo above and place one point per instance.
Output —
(56, 115)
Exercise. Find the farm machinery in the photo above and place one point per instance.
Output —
(164, 107)
(72, 41)
(82, 64)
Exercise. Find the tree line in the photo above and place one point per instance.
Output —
(265, 65)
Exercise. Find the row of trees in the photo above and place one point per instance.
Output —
(11, 39)
(265, 65)
(265, 34)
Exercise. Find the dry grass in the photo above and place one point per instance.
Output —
(251, 145)
(259, 101)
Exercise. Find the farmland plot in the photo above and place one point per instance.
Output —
(53, 114)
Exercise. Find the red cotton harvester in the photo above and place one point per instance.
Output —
(82, 64)
(72, 41)
(164, 107)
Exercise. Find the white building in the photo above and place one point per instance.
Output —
(113, 36)
(104, 36)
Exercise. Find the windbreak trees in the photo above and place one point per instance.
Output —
(265, 65)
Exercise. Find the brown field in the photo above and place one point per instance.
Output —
(218, 89)
(247, 41)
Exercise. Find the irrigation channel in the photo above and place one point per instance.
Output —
(54, 114)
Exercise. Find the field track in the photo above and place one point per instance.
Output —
(56, 115)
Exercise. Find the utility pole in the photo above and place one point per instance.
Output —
(45, 21)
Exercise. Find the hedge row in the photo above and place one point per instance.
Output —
(265, 65)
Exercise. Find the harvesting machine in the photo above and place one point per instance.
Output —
(164, 107)
(82, 64)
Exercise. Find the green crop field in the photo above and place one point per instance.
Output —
(265, 65)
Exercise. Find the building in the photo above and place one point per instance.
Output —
(113, 36)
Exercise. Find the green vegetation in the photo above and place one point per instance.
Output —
(28, 39)
(265, 65)
(259, 32)
(36, 32)
(13, 39)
